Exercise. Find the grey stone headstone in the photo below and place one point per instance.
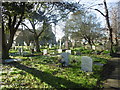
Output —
(86, 63)
(65, 57)
(44, 51)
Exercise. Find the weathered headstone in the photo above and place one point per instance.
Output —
(65, 58)
(86, 63)
(44, 51)
(68, 51)
(59, 50)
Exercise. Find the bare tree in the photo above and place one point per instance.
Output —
(106, 15)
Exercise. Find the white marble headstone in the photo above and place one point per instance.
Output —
(68, 51)
(59, 50)
(44, 51)
(50, 45)
(65, 57)
(86, 63)
(93, 47)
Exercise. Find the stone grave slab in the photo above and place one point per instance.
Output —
(12, 60)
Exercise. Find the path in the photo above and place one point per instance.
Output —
(113, 81)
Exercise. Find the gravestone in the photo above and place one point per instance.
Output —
(68, 51)
(20, 51)
(86, 63)
(32, 47)
(59, 50)
(44, 51)
(65, 58)
(40, 46)
(93, 47)
(50, 45)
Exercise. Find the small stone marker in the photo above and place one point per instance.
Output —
(50, 45)
(68, 51)
(59, 50)
(20, 51)
(12, 60)
(44, 51)
(65, 58)
(93, 47)
(86, 63)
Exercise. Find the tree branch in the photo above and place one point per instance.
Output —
(100, 12)
(27, 27)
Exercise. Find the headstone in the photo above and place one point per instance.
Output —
(50, 45)
(93, 47)
(25, 44)
(44, 51)
(68, 51)
(40, 46)
(20, 51)
(59, 50)
(65, 58)
(32, 47)
(86, 63)
(35, 49)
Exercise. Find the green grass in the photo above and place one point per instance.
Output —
(44, 72)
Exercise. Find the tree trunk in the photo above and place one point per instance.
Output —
(66, 44)
(109, 27)
(37, 44)
(90, 43)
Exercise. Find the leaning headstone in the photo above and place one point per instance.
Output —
(59, 50)
(86, 63)
(65, 58)
(44, 51)
(68, 51)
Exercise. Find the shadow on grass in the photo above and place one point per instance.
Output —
(48, 78)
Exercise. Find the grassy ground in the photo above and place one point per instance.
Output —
(46, 72)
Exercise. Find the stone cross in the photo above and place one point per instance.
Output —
(86, 63)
